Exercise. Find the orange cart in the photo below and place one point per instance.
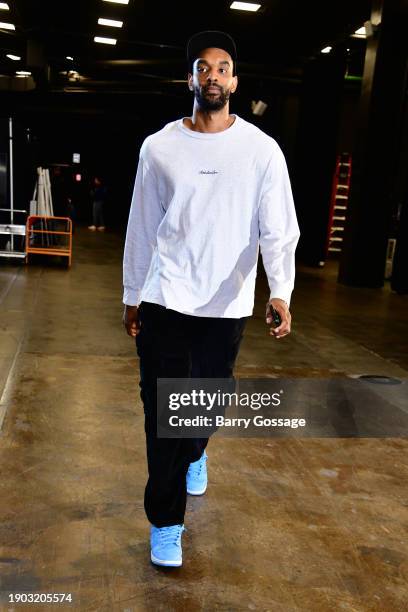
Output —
(49, 236)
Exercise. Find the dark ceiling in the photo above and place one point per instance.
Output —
(149, 55)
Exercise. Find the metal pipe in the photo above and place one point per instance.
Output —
(11, 178)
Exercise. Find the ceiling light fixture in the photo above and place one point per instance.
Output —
(4, 6)
(258, 107)
(110, 22)
(23, 73)
(360, 33)
(118, 1)
(245, 6)
(16, 58)
(105, 41)
(326, 50)
(7, 26)
(69, 57)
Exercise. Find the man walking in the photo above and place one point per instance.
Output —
(209, 190)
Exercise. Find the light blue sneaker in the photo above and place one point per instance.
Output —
(165, 545)
(197, 476)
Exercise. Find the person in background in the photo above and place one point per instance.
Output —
(98, 195)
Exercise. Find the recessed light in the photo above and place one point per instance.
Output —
(326, 50)
(4, 6)
(69, 57)
(110, 22)
(105, 41)
(23, 73)
(245, 6)
(118, 1)
(7, 26)
(13, 57)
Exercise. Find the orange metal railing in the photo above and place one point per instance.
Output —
(44, 236)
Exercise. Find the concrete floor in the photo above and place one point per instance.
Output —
(286, 525)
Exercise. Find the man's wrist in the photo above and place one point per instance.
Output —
(280, 300)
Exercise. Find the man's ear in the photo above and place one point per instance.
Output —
(234, 84)
(190, 82)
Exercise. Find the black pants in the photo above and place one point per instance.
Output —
(97, 213)
(175, 345)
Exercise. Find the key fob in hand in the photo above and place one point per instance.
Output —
(276, 316)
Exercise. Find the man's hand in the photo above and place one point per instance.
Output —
(282, 308)
(131, 320)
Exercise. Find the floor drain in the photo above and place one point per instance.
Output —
(378, 379)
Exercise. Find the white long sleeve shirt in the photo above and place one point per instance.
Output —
(202, 205)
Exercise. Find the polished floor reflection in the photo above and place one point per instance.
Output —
(286, 524)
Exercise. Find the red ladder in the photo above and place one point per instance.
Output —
(339, 204)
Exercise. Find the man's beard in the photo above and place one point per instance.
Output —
(209, 102)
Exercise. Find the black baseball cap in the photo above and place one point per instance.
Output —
(207, 39)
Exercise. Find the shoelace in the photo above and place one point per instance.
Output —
(197, 467)
(171, 535)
